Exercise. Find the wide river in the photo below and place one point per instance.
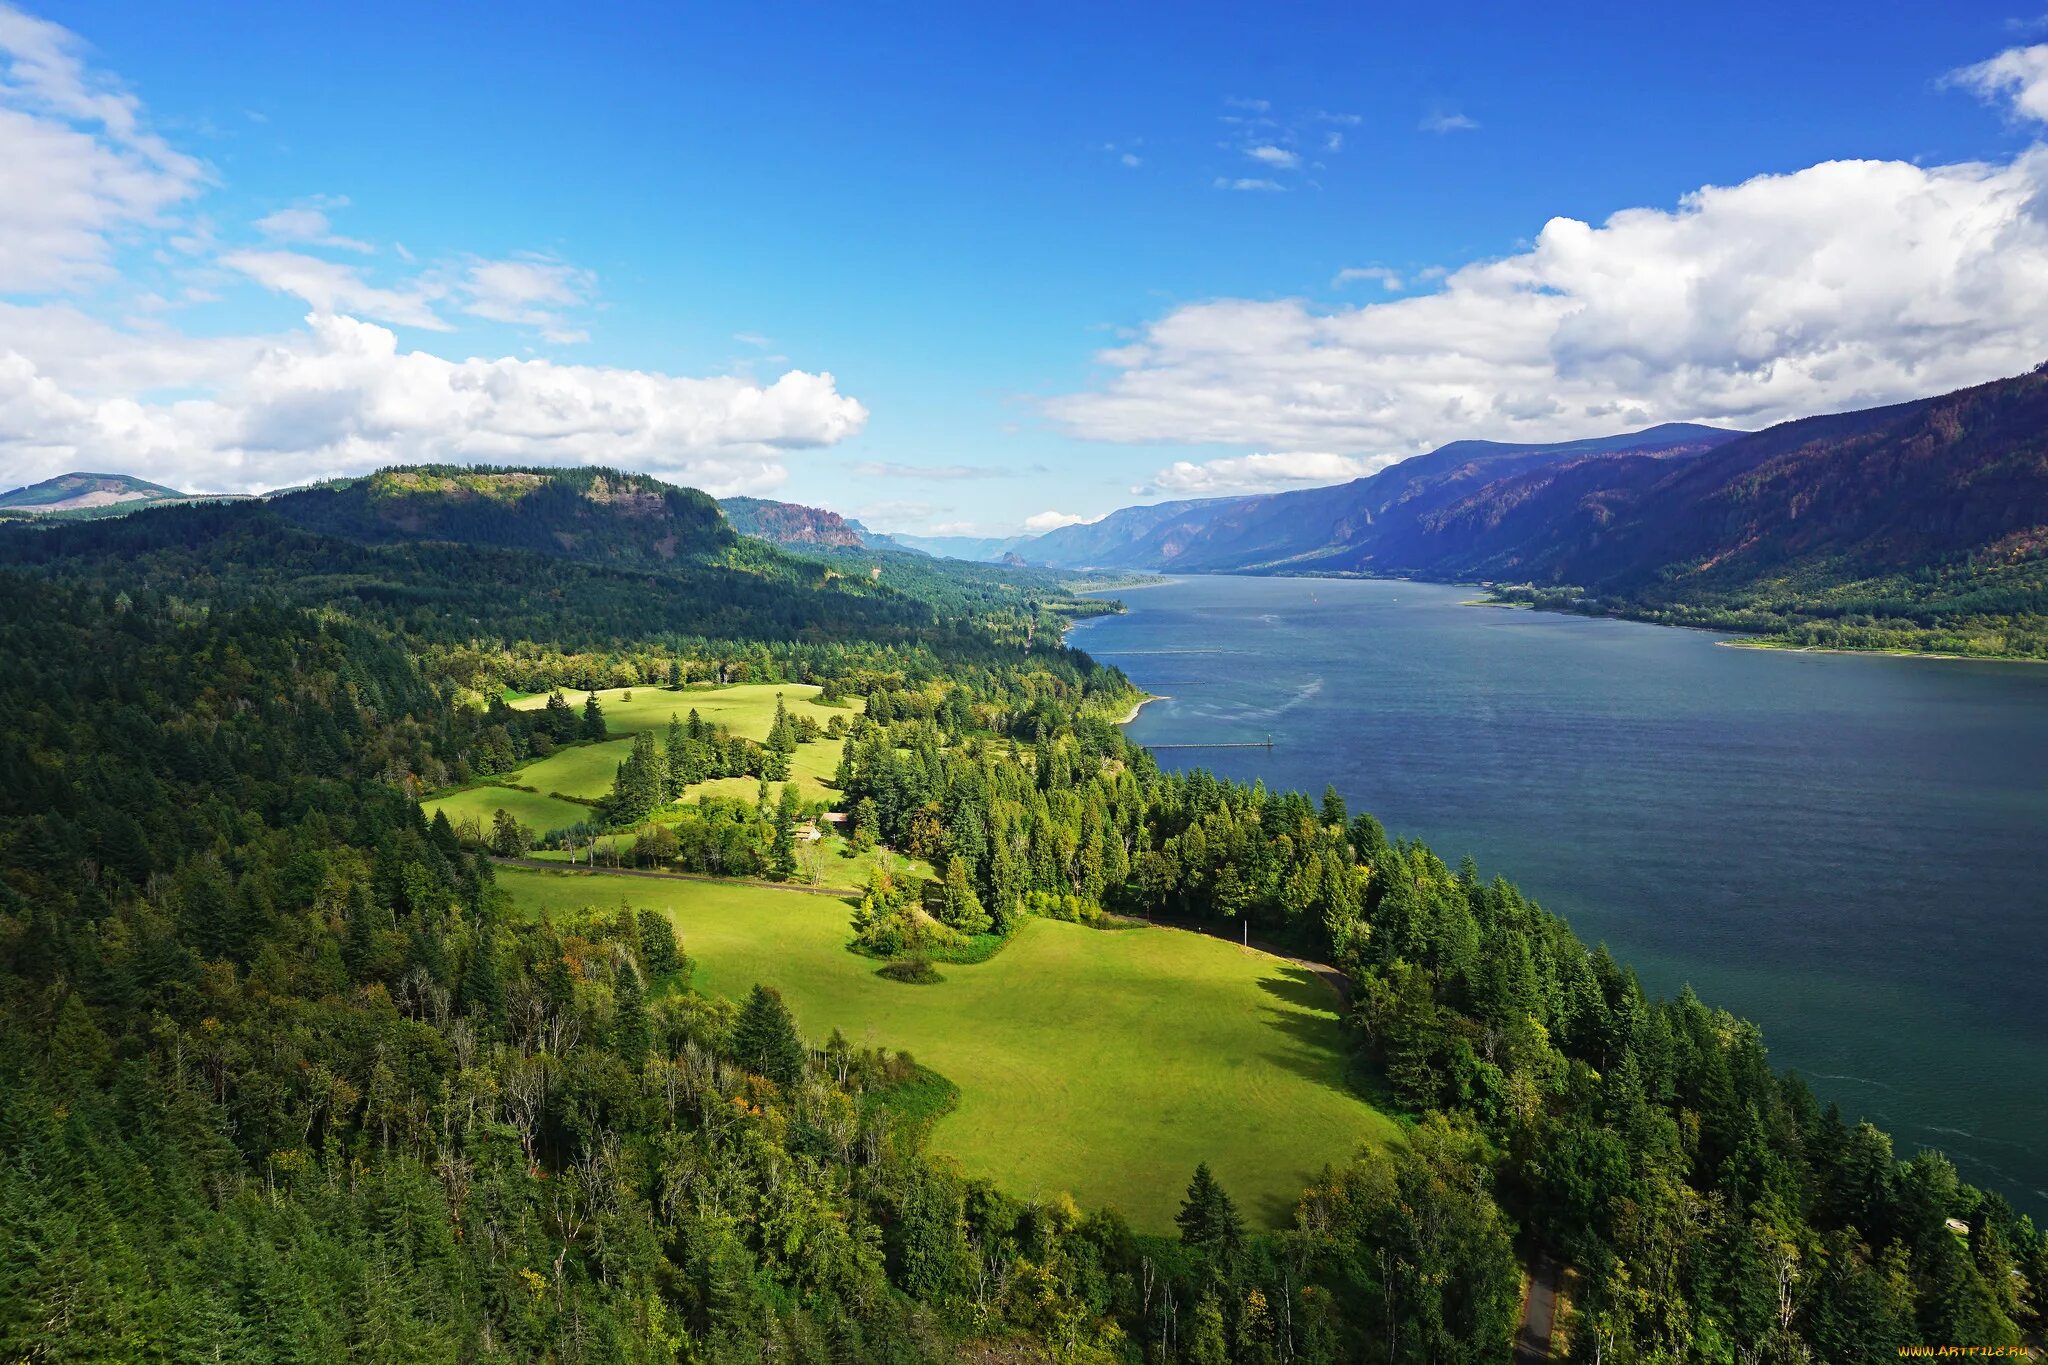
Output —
(1850, 850)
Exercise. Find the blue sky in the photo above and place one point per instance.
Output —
(1053, 261)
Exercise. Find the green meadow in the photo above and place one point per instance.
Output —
(584, 770)
(744, 708)
(482, 805)
(1102, 1063)
(587, 770)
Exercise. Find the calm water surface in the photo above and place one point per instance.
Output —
(1853, 851)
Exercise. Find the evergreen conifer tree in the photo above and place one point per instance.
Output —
(1208, 1220)
(764, 1038)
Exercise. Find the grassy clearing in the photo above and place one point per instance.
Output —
(587, 770)
(810, 767)
(1104, 1064)
(482, 804)
(746, 709)
(840, 866)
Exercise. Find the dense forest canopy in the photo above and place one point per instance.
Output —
(284, 1077)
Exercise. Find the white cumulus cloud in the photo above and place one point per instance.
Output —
(1842, 285)
(1277, 157)
(340, 397)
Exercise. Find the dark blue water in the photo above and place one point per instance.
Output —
(1850, 850)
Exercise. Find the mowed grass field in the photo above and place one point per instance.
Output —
(587, 770)
(1106, 1064)
(744, 708)
(482, 804)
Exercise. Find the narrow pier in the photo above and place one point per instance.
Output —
(1265, 743)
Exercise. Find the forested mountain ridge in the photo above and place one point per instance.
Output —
(568, 556)
(1306, 527)
(597, 515)
(1920, 525)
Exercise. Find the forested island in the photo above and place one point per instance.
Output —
(350, 847)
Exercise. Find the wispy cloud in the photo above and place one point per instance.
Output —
(1389, 280)
(529, 290)
(2018, 75)
(1447, 121)
(79, 164)
(884, 469)
(308, 225)
(1288, 145)
(331, 287)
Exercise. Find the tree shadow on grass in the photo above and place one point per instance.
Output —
(1313, 1050)
(1321, 1049)
(1300, 986)
(1274, 1210)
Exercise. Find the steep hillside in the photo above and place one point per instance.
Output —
(1334, 529)
(793, 525)
(1147, 537)
(1922, 525)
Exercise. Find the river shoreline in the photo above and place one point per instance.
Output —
(1769, 648)
(1141, 705)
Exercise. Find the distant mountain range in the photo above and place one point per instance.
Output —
(1334, 529)
(93, 495)
(986, 549)
(1920, 525)
(1889, 489)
